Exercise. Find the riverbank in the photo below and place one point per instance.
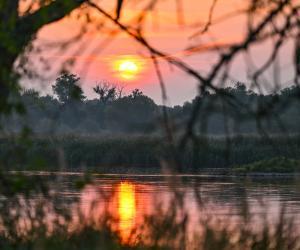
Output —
(223, 174)
(141, 154)
(273, 166)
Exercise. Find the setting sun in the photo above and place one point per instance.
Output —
(128, 67)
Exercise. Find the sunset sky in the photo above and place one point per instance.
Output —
(165, 31)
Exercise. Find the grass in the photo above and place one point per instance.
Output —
(140, 153)
(160, 231)
(274, 165)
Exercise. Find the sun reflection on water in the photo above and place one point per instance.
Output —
(126, 209)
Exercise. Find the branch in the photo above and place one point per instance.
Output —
(50, 13)
(224, 60)
(248, 41)
(209, 21)
(174, 61)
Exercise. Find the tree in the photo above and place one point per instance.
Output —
(30, 97)
(107, 92)
(30, 93)
(136, 93)
(135, 112)
(16, 33)
(240, 87)
(67, 88)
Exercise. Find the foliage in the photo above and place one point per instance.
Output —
(17, 31)
(141, 154)
(136, 113)
(107, 92)
(273, 165)
(67, 88)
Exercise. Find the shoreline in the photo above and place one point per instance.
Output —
(201, 174)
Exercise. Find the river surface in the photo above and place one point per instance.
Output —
(129, 198)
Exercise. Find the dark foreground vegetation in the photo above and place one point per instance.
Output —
(143, 154)
(280, 236)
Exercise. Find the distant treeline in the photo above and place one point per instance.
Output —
(140, 154)
(232, 110)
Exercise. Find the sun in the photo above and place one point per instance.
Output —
(128, 67)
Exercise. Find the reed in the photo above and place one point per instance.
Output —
(140, 153)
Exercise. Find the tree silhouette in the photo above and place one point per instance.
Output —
(136, 93)
(107, 92)
(17, 32)
(67, 88)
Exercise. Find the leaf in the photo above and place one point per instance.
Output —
(119, 7)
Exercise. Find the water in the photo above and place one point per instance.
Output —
(127, 199)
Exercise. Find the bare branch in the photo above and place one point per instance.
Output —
(209, 21)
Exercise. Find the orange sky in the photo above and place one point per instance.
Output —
(164, 32)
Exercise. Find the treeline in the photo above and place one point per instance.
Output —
(232, 110)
